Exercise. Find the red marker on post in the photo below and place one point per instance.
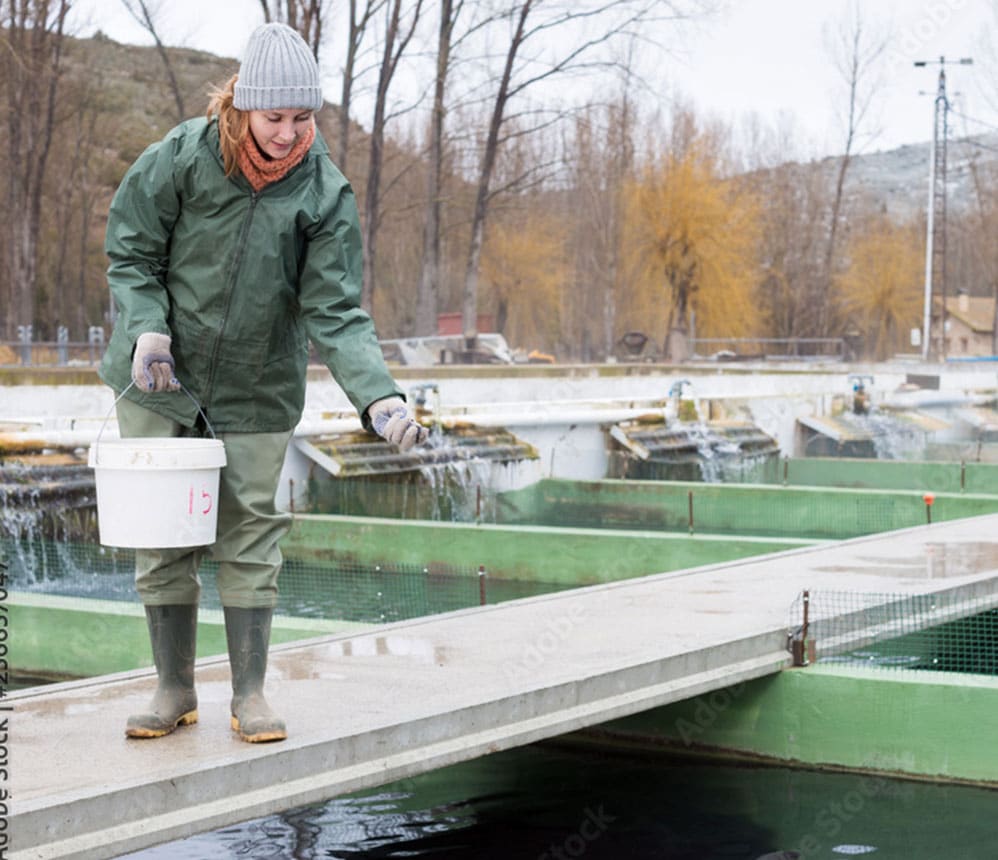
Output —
(928, 498)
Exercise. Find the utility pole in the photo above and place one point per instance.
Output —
(935, 232)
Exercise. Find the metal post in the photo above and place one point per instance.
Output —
(62, 344)
(24, 335)
(939, 222)
(927, 310)
(802, 650)
(481, 585)
(935, 238)
(95, 341)
(807, 608)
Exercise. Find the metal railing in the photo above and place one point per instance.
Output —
(735, 348)
(27, 352)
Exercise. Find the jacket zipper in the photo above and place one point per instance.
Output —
(231, 290)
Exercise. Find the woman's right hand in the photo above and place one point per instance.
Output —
(152, 363)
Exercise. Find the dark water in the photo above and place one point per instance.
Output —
(551, 802)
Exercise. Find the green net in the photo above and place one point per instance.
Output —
(950, 631)
(369, 593)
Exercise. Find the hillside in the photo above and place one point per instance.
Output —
(898, 179)
(128, 85)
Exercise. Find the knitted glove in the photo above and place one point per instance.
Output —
(392, 421)
(152, 363)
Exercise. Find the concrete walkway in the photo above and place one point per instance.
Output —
(366, 709)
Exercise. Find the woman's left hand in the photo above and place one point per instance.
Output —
(392, 421)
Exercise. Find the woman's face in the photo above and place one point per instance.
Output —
(277, 131)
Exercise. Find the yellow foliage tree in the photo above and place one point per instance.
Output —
(691, 238)
(881, 285)
(524, 274)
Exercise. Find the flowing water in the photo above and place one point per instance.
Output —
(893, 439)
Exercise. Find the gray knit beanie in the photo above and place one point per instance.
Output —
(277, 72)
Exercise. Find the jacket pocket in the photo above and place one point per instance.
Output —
(203, 347)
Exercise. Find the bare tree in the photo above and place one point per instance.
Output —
(607, 214)
(546, 42)
(305, 16)
(983, 247)
(601, 159)
(448, 40)
(469, 308)
(146, 12)
(74, 209)
(31, 42)
(360, 18)
(856, 53)
(429, 275)
(792, 247)
(400, 26)
(796, 197)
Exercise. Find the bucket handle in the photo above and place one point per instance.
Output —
(131, 384)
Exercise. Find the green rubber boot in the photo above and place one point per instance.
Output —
(247, 632)
(173, 634)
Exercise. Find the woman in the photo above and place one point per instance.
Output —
(233, 242)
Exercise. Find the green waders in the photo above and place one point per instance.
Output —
(249, 560)
(247, 632)
(173, 634)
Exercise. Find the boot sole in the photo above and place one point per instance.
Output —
(187, 719)
(259, 737)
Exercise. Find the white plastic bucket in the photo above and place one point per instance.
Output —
(157, 492)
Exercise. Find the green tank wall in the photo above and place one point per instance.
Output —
(665, 504)
(77, 637)
(818, 513)
(536, 553)
(953, 477)
(925, 724)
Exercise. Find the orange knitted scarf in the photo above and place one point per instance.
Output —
(261, 170)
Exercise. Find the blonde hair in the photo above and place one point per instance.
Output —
(233, 124)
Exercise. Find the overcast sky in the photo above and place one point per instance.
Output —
(763, 56)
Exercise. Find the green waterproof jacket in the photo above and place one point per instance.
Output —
(241, 281)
